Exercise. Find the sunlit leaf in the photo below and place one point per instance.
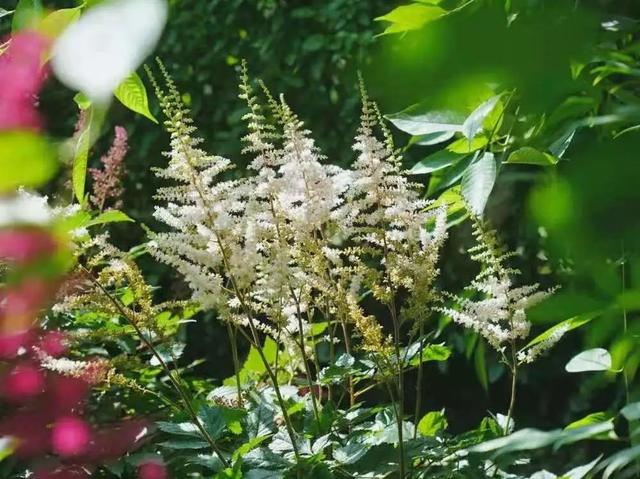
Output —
(432, 423)
(596, 359)
(478, 181)
(57, 21)
(26, 159)
(410, 17)
(464, 146)
(111, 216)
(530, 156)
(132, 94)
(415, 121)
(566, 325)
(473, 124)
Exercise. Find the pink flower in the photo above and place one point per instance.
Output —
(111, 442)
(11, 343)
(70, 436)
(22, 77)
(153, 469)
(29, 427)
(23, 382)
(23, 245)
(107, 183)
(54, 343)
(66, 394)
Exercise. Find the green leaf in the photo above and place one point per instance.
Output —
(433, 138)
(133, 94)
(620, 460)
(184, 444)
(4, 12)
(111, 216)
(415, 121)
(589, 419)
(456, 208)
(26, 159)
(182, 429)
(464, 146)
(418, 352)
(87, 136)
(57, 21)
(567, 325)
(438, 161)
(432, 423)
(213, 420)
(631, 411)
(473, 124)
(477, 182)
(480, 363)
(596, 359)
(530, 156)
(7, 446)
(410, 17)
(26, 14)
(581, 471)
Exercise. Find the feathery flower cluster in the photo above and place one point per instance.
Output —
(293, 241)
(107, 182)
(500, 315)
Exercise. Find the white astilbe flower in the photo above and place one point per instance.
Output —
(274, 250)
(499, 315)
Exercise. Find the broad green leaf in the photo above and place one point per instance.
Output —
(567, 325)
(111, 216)
(26, 14)
(437, 161)
(415, 121)
(213, 420)
(432, 138)
(432, 423)
(530, 156)
(477, 182)
(581, 471)
(456, 208)
(26, 159)
(589, 419)
(620, 460)
(631, 411)
(57, 21)
(473, 124)
(410, 17)
(85, 139)
(596, 359)
(181, 429)
(132, 94)
(464, 146)
(418, 353)
(447, 177)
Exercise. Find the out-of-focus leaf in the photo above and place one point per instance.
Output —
(415, 121)
(480, 363)
(581, 471)
(437, 161)
(619, 461)
(432, 423)
(631, 411)
(4, 12)
(57, 21)
(26, 14)
(87, 136)
(473, 124)
(111, 216)
(559, 147)
(589, 419)
(26, 159)
(133, 94)
(7, 446)
(478, 181)
(596, 359)
(410, 17)
(566, 325)
(530, 156)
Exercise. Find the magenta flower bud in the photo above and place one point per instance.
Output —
(54, 343)
(24, 245)
(70, 436)
(153, 469)
(23, 382)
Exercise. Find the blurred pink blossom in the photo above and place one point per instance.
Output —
(23, 245)
(153, 469)
(22, 382)
(62, 472)
(22, 73)
(70, 436)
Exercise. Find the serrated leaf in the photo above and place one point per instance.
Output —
(26, 159)
(182, 428)
(596, 359)
(133, 94)
(437, 161)
(473, 124)
(477, 182)
(111, 216)
(410, 17)
(530, 156)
